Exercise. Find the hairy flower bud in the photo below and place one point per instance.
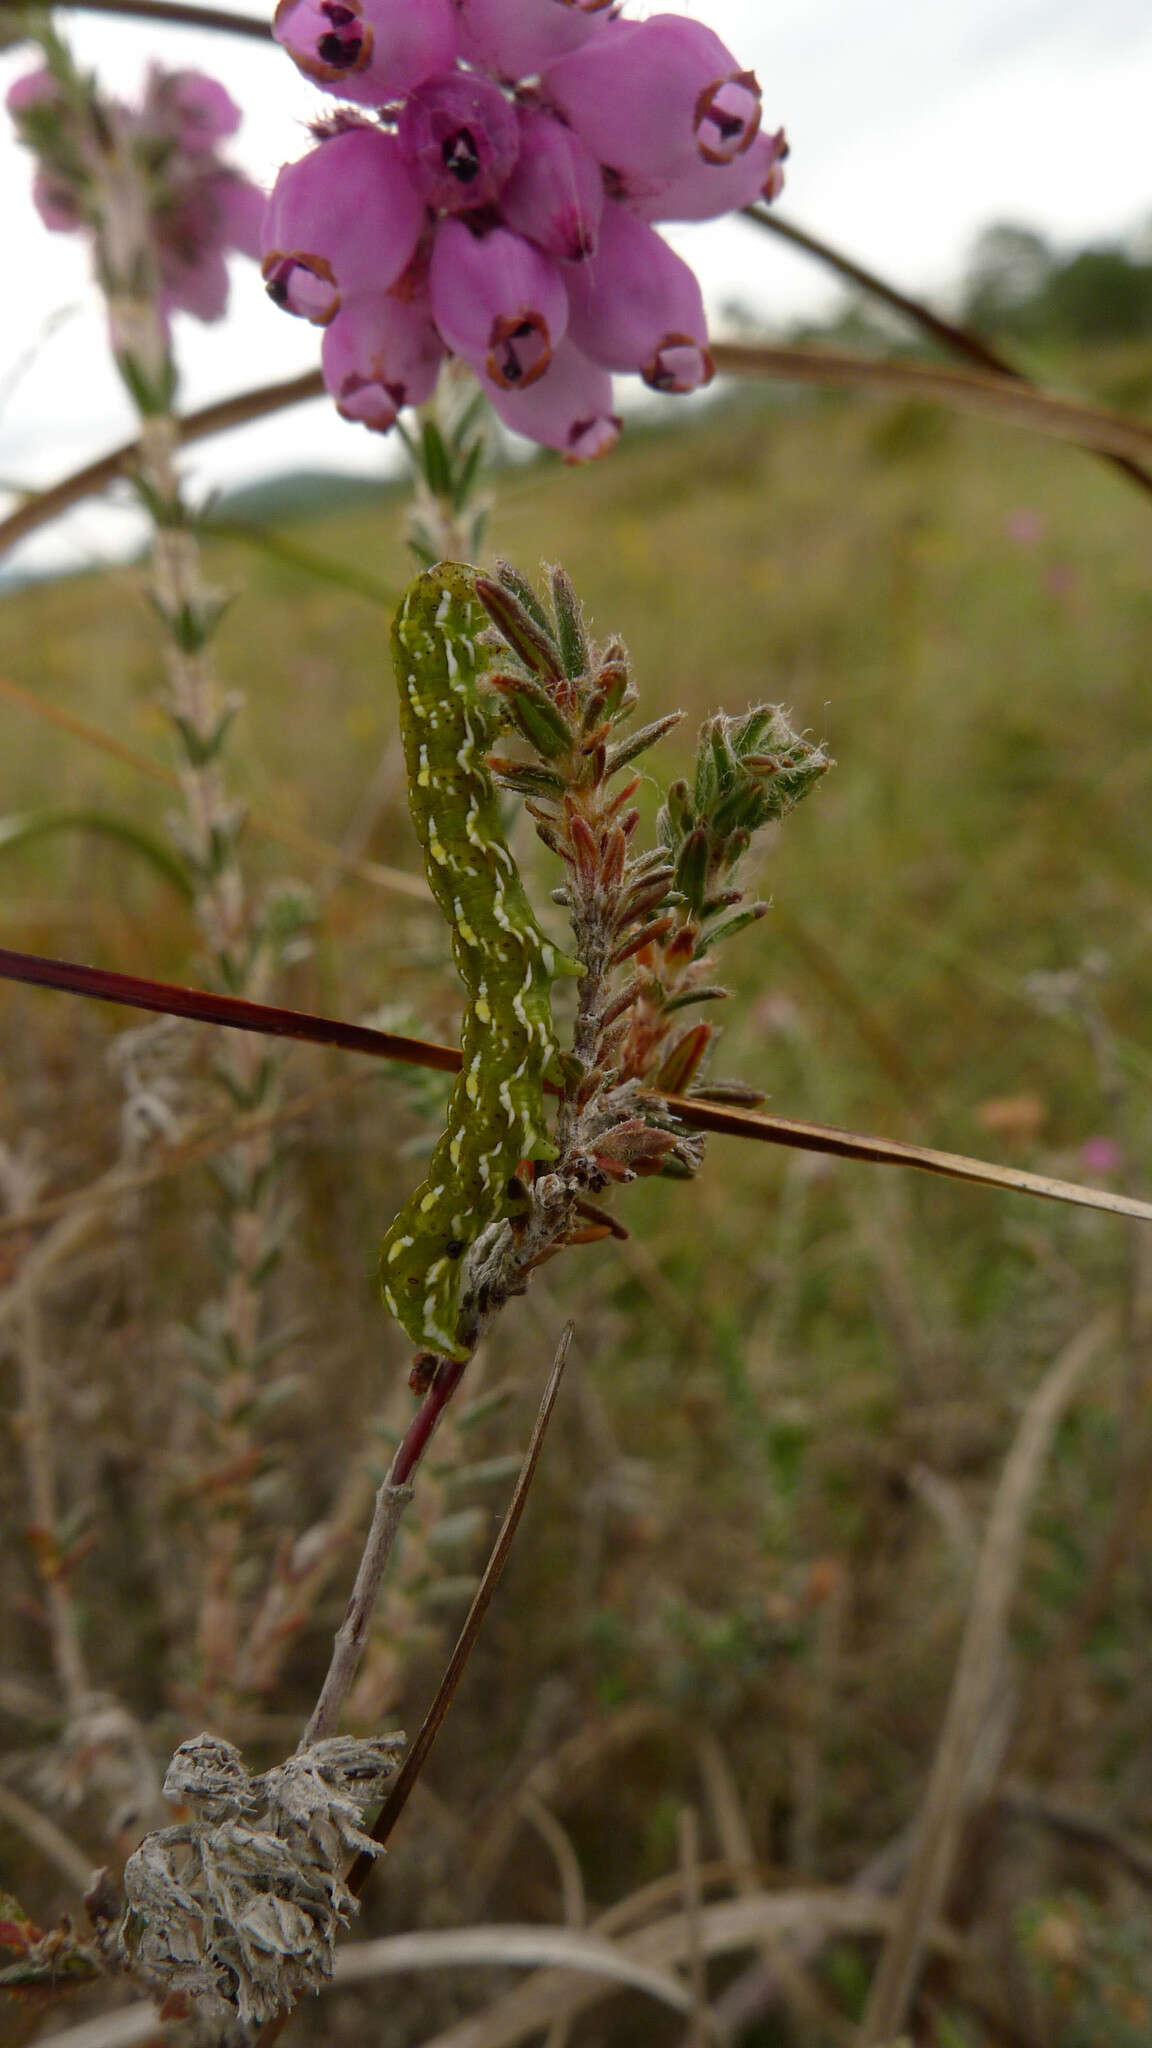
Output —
(460, 140)
(380, 354)
(653, 98)
(369, 51)
(636, 305)
(497, 301)
(569, 409)
(556, 193)
(345, 219)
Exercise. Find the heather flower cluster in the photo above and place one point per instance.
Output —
(199, 207)
(494, 191)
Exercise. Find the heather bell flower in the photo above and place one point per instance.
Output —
(495, 192)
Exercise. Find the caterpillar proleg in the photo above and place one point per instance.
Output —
(496, 1115)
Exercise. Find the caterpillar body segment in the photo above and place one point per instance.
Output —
(496, 1115)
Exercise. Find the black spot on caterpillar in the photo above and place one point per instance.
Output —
(496, 1114)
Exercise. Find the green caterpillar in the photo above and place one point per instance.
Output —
(496, 1113)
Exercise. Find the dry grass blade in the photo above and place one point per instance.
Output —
(586, 1969)
(395, 879)
(521, 1947)
(722, 1929)
(238, 1014)
(806, 1137)
(941, 1814)
(961, 340)
(44, 506)
(43, 1833)
(127, 2028)
(994, 396)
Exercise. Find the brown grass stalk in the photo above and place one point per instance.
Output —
(977, 1670)
(1094, 428)
(960, 340)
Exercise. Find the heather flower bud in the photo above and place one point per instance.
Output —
(636, 305)
(498, 302)
(379, 354)
(37, 88)
(556, 193)
(213, 215)
(569, 409)
(369, 51)
(514, 39)
(708, 190)
(56, 204)
(192, 108)
(344, 219)
(172, 188)
(654, 98)
(460, 139)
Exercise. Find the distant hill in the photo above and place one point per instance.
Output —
(302, 493)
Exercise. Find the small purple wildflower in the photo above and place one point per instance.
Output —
(1101, 1155)
(505, 190)
(200, 208)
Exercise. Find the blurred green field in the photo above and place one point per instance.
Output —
(793, 1363)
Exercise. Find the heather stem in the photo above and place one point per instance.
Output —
(35, 1434)
(391, 1501)
(236, 936)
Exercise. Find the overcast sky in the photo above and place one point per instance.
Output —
(912, 125)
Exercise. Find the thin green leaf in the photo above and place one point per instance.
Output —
(20, 828)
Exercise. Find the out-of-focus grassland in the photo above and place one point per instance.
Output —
(798, 1381)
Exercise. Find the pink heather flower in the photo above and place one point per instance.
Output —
(509, 195)
(190, 107)
(514, 39)
(216, 213)
(569, 409)
(460, 141)
(708, 190)
(345, 219)
(37, 88)
(370, 51)
(497, 302)
(555, 195)
(635, 305)
(56, 204)
(380, 354)
(654, 98)
(198, 207)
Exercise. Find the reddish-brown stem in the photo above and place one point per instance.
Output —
(698, 1114)
(418, 1435)
(206, 1006)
